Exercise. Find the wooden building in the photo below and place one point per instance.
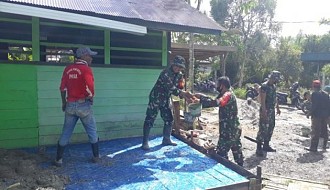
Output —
(39, 38)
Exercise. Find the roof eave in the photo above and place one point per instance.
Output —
(71, 17)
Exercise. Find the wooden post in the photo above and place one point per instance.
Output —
(259, 175)
(223, 58)
(176, 113)
(191, 62)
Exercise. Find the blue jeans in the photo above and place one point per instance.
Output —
(73, 112)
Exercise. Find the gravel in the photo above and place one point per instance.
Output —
(291, 135)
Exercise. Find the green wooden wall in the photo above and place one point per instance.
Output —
(121, 97)
(31, 112)
(18, 106)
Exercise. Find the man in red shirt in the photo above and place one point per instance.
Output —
(77, 92)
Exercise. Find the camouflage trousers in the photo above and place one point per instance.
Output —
(230, 139)
(266, 126)
(153, 108)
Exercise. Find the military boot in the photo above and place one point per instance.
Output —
(313, 147)
(95, 150)
(167, 136)
(238, 157)
(267, 148)
(145, 144)
(59, 155)
(259, 151)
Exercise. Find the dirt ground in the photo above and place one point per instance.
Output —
(21, 170)
(291, 135)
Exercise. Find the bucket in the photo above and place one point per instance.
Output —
(188, 117)
(195, 109)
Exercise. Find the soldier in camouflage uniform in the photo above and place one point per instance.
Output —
(168, 83)
(229, 126)
(267, 113)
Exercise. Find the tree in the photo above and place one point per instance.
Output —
(288, 60)
(255, 20)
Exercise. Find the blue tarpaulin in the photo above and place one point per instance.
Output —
(125, 165)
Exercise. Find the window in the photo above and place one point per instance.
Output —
(15, 37)
(129, 49)
(59, 41)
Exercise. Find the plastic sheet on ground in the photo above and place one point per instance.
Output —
(125, 165)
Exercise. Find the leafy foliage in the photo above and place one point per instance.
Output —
(240, 93)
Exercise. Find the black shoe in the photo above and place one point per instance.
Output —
(311, 150)
(268, 149)
(259, 153)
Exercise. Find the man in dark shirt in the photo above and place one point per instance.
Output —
(319, 113)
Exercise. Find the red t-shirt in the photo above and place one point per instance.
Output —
(78, 81)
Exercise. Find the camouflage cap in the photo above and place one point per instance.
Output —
(179, 61)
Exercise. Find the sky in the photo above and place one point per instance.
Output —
(297, 15)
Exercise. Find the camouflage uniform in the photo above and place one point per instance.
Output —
(266, 127)
(159, 99)
(229, 126)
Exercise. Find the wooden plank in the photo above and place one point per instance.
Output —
(281, 182)
(306, 186)
(11, 72)
(19, 95)
(17, 85)
(12, 103)
(7, 134)
(18, 114)
(18, 123)
(18, 143)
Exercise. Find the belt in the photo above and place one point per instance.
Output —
(81, 100)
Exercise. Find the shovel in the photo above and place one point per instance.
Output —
(252, 139)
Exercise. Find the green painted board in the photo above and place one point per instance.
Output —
(18, 95)
(8, 134)
(19, 143)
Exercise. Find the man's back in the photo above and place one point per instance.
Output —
(320, 104)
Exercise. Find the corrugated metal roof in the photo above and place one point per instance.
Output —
(170, 15)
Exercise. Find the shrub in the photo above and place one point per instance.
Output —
(240, 93)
